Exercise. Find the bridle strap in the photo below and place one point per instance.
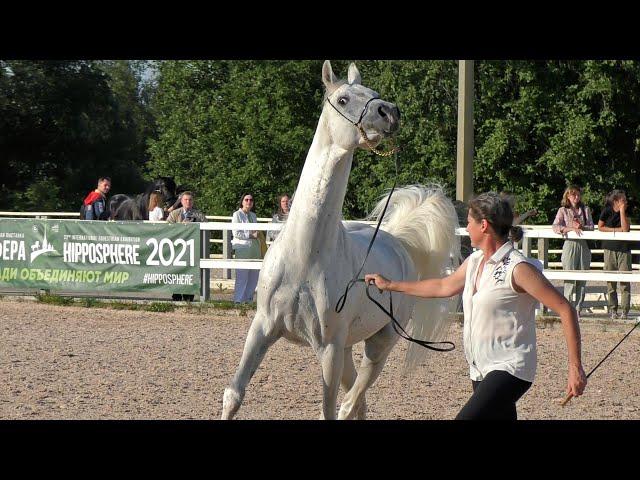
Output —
(364, 110)
(363, 134)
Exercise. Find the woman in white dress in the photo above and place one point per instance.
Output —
(155, 211)
(246, 246)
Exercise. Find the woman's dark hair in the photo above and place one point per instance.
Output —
(613, 196)
(242, 198)
(496, 210)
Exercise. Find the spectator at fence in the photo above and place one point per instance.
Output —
(94, 206)
(574, 216)
(156, 214)
(187, 213)
(246, 246)
(175, 202)
(500, 289)
(617, 253)
(281, 215)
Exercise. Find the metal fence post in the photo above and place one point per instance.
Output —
(227, 252)
(205, 273)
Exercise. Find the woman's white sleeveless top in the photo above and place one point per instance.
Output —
(499, 322)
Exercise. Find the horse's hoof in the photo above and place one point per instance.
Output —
(231, 401)
(353, 413)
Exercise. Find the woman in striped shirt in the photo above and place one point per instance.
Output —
(574, 216)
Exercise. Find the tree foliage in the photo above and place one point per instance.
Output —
(223, 128)
(63, 124)
(231, 127)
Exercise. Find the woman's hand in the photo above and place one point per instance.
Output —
(577, 380)
(378, 280)
(254, 234)
(623, 205)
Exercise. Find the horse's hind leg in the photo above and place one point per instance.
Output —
(259, 339)
(376, 350)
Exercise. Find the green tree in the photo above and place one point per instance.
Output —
(542, 125)
(231, 126)
(61, 126)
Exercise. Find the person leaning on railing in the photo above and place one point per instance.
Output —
(574, 216)
(617, 253)
(187, 213)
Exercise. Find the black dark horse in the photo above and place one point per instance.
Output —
(125, 207)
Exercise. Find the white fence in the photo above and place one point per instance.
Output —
(542, 233)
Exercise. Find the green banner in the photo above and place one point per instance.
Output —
(100, 256)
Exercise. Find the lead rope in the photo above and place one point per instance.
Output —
(396, 325)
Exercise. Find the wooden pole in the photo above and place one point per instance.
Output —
(464, 170)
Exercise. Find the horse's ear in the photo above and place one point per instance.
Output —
(354, 75)
(328, 78)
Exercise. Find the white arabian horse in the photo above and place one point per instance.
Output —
(315, 255)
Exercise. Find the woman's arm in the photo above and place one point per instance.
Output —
(624, 220)
(603, 228)
(253, 218)
(429, 288)
(526, 278)
(559, 223)
(240, 234)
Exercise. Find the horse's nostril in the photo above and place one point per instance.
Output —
(382, 112)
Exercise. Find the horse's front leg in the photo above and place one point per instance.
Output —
(262, 334)
(331, 358)
(376, 350)
(349, 375)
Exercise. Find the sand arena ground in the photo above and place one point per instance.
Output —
(95, 363)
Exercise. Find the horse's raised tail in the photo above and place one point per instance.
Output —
(424, 220)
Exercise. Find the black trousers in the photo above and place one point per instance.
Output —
(494, 398)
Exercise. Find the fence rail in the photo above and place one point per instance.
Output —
(542, 233)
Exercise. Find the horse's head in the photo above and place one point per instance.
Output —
(164, 185)
(352, 108)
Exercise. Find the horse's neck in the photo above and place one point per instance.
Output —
(316, 214)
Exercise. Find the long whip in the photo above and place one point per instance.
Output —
(570, 396)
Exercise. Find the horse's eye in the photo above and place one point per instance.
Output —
(343, 100)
